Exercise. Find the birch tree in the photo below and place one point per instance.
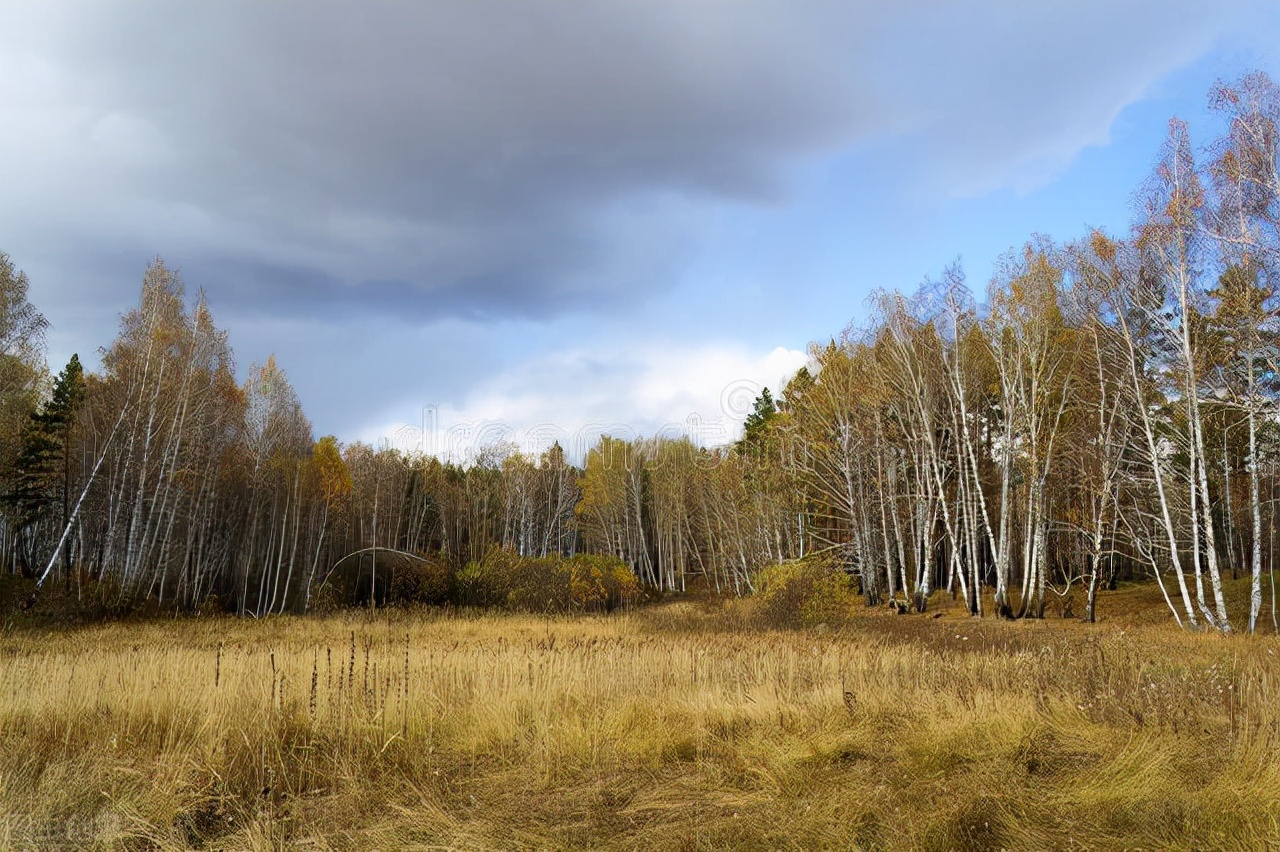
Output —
(1246, 178)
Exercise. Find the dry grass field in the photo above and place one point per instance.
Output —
(679, 726)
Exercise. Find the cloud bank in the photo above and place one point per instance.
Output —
(441, 171)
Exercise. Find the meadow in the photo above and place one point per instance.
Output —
(684, 725)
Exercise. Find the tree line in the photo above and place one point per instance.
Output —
(1105, 409)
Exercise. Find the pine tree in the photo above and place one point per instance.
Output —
(754, 427)
(43, 467)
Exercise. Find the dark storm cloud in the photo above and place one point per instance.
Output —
(492, 159)
(427, 158)
(409, 200)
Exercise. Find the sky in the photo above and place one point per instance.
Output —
(459, 224)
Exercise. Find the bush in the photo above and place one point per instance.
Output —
(489, 581)
(326, 598)
(90, 601)
(539, 585)
(422, 581)
(804, 593)
(601, 582)
(503, 578)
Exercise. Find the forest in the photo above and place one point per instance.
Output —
(1102, 410)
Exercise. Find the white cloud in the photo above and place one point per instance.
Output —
(574, 396)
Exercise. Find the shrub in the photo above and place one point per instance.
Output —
(539, 585)
(503, 578)
(601, 582)
(422, 581)
(488, 582)
(326, 598)
(804, 593)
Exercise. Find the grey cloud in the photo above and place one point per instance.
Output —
(464, 150)
(1010, 93)
(368, 369)
(353, 172)
(428, 159)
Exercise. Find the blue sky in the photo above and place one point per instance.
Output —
(545, 220)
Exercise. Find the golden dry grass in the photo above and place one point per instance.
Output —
(676, 727)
